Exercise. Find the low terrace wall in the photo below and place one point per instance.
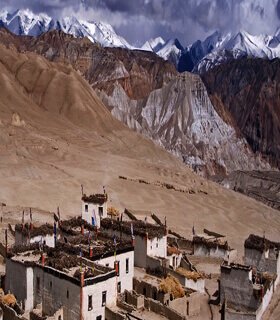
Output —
(166, 311)
(137, 300)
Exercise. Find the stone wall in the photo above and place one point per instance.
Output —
(159, 308)
(187, 306)
(150, 291)
(137, 300)
(155, 263)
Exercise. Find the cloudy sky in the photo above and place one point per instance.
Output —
(187, 20)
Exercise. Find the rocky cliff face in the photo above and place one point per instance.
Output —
(138, 72)
(148, 95)
(181, 118)
(250, 90)
(263, 186)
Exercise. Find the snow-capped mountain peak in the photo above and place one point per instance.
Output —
(25, 22)
(153, 45)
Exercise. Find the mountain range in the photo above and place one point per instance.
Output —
(197, 57)
(147, 94)
(25, 22)
(221, 121)
(216, 49)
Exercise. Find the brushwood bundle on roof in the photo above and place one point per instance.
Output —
(260, 243)
(140, 228)
(43, 230)
(211, 243)
(67, 226)
(98, 198)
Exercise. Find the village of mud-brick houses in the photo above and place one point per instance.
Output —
(109, 265)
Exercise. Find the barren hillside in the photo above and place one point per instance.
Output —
(56, 135)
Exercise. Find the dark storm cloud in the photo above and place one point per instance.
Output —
(188, 20)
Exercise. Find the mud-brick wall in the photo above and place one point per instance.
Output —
(237, 289)
(269, 263)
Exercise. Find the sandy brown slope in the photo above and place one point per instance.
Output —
(55, 134)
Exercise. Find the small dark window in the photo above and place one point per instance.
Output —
(119, 287)
(89, 303)
(127, 265)
(107, 264)
(86, 207)
(99, 318)
(59, 318)
(38, 283)
(67, 294)
(117, 267)
(157, 245)
(50, 284)
(104, 294)
(144, 291)
(100, 211)
(155, 295)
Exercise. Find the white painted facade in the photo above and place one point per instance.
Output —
(198, 285)
(157, 247)
(217, 252)
(96, 291)
(175, 260)
(126, 269)
(48, 239)
(143, 247)
(92, 213)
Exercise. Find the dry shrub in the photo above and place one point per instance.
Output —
(171, 285)
(193, 275)
(8, 299)
(113, 212)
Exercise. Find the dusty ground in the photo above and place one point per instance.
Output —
(56, 135)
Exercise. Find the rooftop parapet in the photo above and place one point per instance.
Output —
(98, 198)
(212, 242)
(260, 243)
(236, 266)
(140, 228)
(27, 230)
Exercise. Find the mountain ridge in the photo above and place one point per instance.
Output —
(25, 22)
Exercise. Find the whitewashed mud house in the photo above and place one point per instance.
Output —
(245, 293)
(94, 208)
(211, 246)
(262, 254)
(89, 266)
(246, 290)
(56, 278)
(150, 241)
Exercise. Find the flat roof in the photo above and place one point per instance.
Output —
(62, 262)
